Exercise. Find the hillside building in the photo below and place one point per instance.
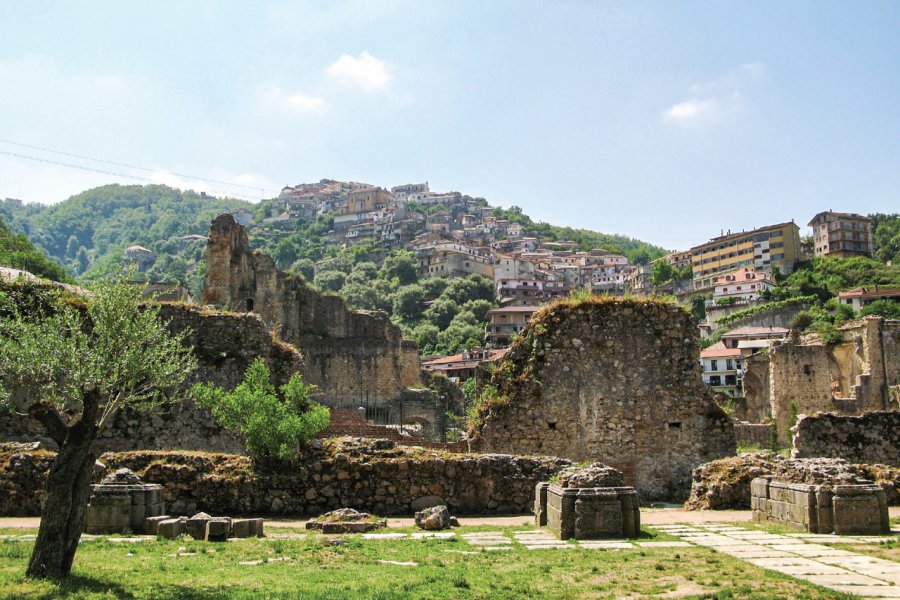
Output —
(765, 249)
(842, 234)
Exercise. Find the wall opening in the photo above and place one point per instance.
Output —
(249, 303)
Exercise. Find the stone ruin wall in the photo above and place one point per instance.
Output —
(225, 345)
(616, 382)
(356, 358)
(859, 374)
(871, 438)
(371, 475)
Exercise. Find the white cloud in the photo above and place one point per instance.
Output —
(272, 96)
(691, 109)
(365, 72)
(715, 100)
(172, 180)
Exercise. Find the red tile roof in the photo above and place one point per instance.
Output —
(718, 350)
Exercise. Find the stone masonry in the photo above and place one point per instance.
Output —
(858, 374)
(840, 509)
(356, 358)
(873, 437)
(613, 381)
(372, 475)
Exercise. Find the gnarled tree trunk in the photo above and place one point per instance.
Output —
(67, 492)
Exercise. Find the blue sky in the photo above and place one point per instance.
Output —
(666, 121)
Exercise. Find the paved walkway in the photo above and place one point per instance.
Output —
(649, 516)
(801, 555)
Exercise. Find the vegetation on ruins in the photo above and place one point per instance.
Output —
(275, 422)
(81, 365)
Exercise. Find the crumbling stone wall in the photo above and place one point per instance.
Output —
(354, 357)
(873, 437)
(858, 374)
(611, 381)
(757, 392)
(225, 344)
(371, 475)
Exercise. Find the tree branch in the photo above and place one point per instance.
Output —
(50, 418)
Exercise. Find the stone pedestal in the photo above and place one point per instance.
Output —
(591, 513)
(122, 502)
(840, 509)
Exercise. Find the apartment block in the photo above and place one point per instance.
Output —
(842, 235)
(765, 249)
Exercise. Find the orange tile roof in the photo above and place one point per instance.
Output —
(719, 350)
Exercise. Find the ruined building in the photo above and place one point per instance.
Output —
(858, 374)
(356, 358)
(610, 381)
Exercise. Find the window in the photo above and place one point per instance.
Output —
(728, 365)
(715, 380)
(713, 365)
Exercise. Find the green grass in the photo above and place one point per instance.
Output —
(312, 568)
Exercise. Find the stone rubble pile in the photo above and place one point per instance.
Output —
(205, 528)
(346, 520)
(725, 483)
(435, 519)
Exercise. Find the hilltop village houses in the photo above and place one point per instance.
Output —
(454, 235)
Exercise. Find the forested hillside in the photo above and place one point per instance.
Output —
(18, 252)
(88, 232)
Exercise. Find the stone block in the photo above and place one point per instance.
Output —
(217, 529)
(841, 509)
(196, 526)
(151, 524)
(171, 528)
(592, 513)
(540, 504)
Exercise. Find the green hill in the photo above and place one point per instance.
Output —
(88, 232)
(18, 252)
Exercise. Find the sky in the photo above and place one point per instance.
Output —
(668, 121)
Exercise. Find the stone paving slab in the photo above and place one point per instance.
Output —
(849, 579)
(664, 544)
(549, 547)
(383, 536)
(490, 542)
(441, 535)
(869, 591)
(484, 534)
(805, 570)
(745, 553)
(600, 544)
(827, 552)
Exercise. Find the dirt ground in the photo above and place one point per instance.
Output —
(649, 516)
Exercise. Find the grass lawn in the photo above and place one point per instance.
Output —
(311, 567)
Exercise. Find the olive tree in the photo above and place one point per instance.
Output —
(73, 367)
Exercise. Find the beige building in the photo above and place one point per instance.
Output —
(765, 249)
(506, 323)
(842, 235)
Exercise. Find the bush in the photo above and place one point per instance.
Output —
(274, 423)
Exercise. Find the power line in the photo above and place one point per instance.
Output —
(116, 174)
(126, 165)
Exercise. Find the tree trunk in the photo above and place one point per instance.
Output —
(67, 493)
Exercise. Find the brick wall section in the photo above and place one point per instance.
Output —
(871, 438)
(616, 382)
(374, 476)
